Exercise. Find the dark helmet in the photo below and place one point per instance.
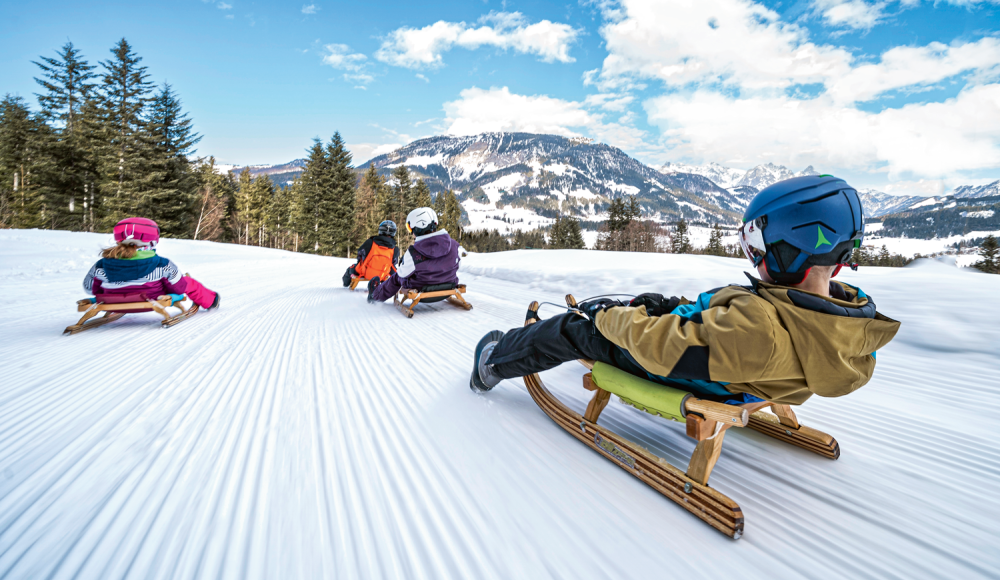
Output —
(814, 220)
(387, 228)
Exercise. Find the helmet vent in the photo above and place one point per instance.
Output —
(816, 223)
(821, 198)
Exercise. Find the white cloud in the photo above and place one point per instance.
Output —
(229, 17)
(616, 102)
(497, 109)
(224, 6)
(736, 42)
(359, 77)
(908, 66)
(311, 9)
(482, 110)
(423, 47)
(423, 78)
(356, 65)
(362, 152)
(744, 44)
(339, 56)
(923, 140)
(856, 14)
(733, 79)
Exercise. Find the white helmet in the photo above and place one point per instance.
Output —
(422, 221)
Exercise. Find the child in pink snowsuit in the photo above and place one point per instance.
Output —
(132, 268)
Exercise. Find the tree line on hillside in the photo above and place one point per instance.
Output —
(102, 146)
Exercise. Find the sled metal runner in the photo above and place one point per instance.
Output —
(705, 421)
(113, 311)
(452, 295)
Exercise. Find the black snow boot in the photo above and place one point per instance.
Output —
(372, 285)
(215, 303)
(483, 378)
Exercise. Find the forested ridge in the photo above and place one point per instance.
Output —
(106, 144)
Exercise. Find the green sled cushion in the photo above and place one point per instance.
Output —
(653, 398)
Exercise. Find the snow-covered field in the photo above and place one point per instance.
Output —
(299, 432)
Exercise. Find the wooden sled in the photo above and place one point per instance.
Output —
(430, 294)
(705, 421)
(357, 280)
(115, 310)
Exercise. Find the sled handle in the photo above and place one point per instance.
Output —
(730, 415)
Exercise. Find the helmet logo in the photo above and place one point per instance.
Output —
(821, 239)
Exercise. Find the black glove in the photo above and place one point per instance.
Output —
(656, 304)
(592, 307)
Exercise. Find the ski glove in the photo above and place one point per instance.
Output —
(592, 307)
(656, 304)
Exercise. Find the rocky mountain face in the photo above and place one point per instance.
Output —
(877, 203)
(972, 191)
(547, 175)
(283, 174)
(513, 181)
(741, 185)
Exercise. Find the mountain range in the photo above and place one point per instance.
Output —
(512, 181)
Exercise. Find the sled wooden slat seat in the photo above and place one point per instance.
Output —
(705, 421)
(357, 280)
(114, 307)
(429, 294)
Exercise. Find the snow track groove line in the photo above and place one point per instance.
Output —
(271, 438)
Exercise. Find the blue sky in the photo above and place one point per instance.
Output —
(899, 95)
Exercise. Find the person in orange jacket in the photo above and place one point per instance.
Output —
(378, 256)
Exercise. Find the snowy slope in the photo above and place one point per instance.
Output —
(274, 439)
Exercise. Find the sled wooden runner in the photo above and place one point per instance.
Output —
(706, 422)
(357, 280)
(452, 295)
(113, 311)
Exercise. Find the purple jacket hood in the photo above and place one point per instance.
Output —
(436, 245)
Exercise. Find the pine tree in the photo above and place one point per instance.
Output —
(421, 196)
(715, 246)
(245, 210)
(171, 198)
(316, 203)
(21, 202)
(366, 199)
(572, 235)
(680, 243)
(70, 167)
(451, 220)
(396, 204)
(566, 234)
(342, 184)
(439, 203)
(618, 215)
(989, 252)
(278, 218)
(125, 170)
(262, 199)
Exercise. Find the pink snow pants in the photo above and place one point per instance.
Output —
(198, 294)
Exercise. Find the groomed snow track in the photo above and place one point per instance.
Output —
(298, 432)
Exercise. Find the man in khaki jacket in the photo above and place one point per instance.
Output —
(791, 334)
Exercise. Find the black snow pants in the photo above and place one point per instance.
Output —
(347, 275)
(549, 343)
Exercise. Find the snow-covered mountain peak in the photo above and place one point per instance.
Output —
(545, 175)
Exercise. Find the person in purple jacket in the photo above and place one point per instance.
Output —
(432, 260)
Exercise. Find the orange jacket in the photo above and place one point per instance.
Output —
(378, 262)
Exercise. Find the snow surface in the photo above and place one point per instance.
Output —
(298, 432)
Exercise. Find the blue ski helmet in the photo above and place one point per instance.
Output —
(793, 225)
(387, 228)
